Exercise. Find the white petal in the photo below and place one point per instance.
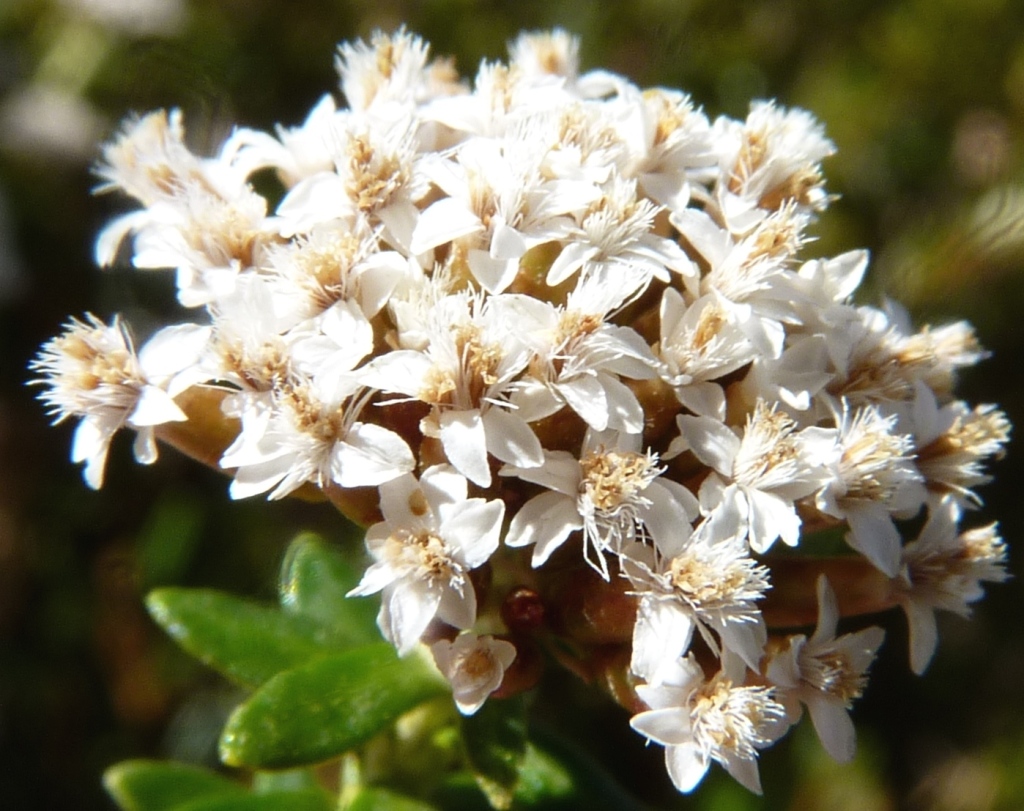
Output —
(90, 445)
(155, 407)
(624, 410)
(586, 396)
(783, 667)
(744, 771)
(708, 238)
(669, 726)
(560, 471)
(771, 517)
(441, 222)
(473, 527)
(711, 441)
(506, 242)
(924, 634)
(686, 765)
(828, 611)
(705, 399)
(379, 275)
(396, 499)
(172, 349)
(257, 478)
(144, 447)
(400, 220)
(510, 439)
(465, 444)
(370, 455)
(313, 200)
(402, 371)
(667, 519)
(405, 613)
(109, 241)
(442, 485)
(545, 520)
(376, 577)
(569, 261)
(834, 727)
(746, 640)
(873, 534)
(458, 610)
(493, 274)
(661, 635)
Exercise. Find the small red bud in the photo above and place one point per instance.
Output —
(523, 610)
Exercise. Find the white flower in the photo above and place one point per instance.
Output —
(474, 666)
(334, 262)
(771, 159)
(699, 720)
(308, 432)
(825, 673)
(471, 360)
(579, 358)
(953, 442)
(431, 537)
(390, 69)
(874, 477)
(297, 152)
(374, 185)
(706, 581)
(793, 378)
(943, 571)
(613, 493)
(546, 53)
(498, 206)
(878, 360)
(765, 470)
(615, 235)
(675, 147)
(92, 371)
(201, 217)
(699, 344)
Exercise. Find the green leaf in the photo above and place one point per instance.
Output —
(314, 581)
(554, 776)
(148, 785)
(544, 781)
(495, 745)
(378, 799)
(245, 641)
(326, 707)
(557, 774)
(315, 800)
(289, 780)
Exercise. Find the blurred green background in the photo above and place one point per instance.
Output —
(925, 100)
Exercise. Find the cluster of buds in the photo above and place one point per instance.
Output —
(548, 336)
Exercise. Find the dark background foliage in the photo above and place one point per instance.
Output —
(925, 100)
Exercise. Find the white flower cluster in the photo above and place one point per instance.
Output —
(552, 310)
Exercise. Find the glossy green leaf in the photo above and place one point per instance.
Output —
(378, 799)
(544, 781)
(148, 785)
(245, 641)
(314, 581)
(308, 800)
(326, 707)
(495, 746)
(553, 776)
(557, 774)
(287, 780)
